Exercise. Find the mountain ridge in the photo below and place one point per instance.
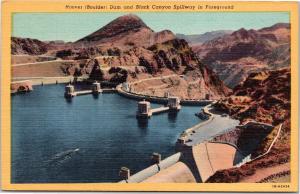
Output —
(236, 55)
(201, 38)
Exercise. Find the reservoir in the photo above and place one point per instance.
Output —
(87, 139)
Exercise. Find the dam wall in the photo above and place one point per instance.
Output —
(201, 160)
(160, 100)
(193, 164)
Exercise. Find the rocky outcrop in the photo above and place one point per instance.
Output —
(233, 57)
(28, 46)
(170, 57)
(264, 97)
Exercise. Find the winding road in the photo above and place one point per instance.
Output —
(210, 128)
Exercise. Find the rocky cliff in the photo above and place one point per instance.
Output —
(265, 97)
(161, 59)
(28, 46)
(233, 57)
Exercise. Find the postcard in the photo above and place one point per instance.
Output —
(149, 96)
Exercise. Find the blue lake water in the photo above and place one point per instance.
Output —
(88, 139)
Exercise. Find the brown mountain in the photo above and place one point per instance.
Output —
(125, 31)
(235, 56)
(162, 59)
(263, 96)
(28, 46)
(198, 39)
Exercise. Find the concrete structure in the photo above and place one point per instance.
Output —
(181, 140)
(159, 110)
(177, 173)
(158, 99)
(96, 88)
(124, 173)
(125, 86)
(174, 103)
(156, 158)
(210, 127)
(21, 86)
(197, 157)
(69, 91)
(144, 109)
(167, 95)
(192, 164)
(153, 169)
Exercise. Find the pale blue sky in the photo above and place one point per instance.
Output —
(73, 26)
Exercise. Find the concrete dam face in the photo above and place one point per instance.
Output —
(197, 163)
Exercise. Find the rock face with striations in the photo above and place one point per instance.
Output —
(233, 57)
(265, 97)
(170, 57)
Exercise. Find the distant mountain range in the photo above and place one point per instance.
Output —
(234, 56)
(231, 55)
(201, 38)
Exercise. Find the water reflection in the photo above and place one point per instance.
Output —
(142, 123)
(69, 100)
(95, 95)
(172, 116)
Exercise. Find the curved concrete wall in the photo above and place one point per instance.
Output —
(211, 157)
(196, 164)
(158, 99)
(178, 173)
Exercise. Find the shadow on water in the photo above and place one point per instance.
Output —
(143, 123)
(95, 96)
(172, 116)
(69, 100)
